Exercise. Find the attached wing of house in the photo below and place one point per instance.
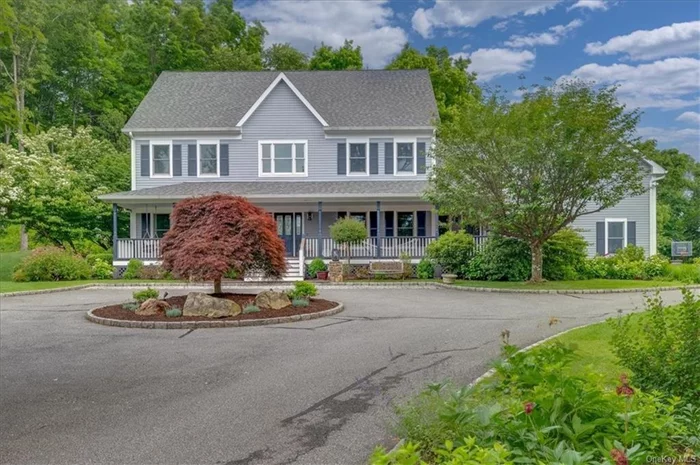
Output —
(310, 147)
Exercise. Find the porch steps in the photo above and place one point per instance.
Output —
(293, 272)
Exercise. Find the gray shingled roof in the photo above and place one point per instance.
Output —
(320, 190)
(218, 100)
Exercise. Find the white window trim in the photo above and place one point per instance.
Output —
(272, 155)
(624, 231)
(413, 141)
(347, 156)
(217, 143)
(152, 155)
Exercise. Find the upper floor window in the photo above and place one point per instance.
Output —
(358, 160)
(283, 158)
(161, 160)
(208, 159)
(405, 162)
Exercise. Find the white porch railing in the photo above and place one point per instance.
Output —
(142, 249)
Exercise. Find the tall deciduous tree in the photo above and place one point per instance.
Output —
(529, 169)
(210, 236)
(453, 84)
(326, 58)
(284, 57)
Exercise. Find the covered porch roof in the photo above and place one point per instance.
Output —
(282, 191)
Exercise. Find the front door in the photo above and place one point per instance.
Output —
(289, 229)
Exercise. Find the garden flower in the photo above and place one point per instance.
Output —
(624, 389)
(528, 407)
(619, 457)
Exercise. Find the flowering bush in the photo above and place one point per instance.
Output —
(52, 264)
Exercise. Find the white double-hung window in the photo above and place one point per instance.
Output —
(208, 158)
(161, 159)
(282, 158)
(615, 234)
(405, 157)
(358, 158)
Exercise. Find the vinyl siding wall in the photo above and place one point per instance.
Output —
(632, 208)
(280, 116)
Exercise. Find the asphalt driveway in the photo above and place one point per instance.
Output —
(312, 392)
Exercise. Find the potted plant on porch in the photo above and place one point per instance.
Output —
(318, 269)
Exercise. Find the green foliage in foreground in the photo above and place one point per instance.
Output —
(452, 251)
(664, 352)
(251, 308)
(173, 312)
(303, 290)
(52, 264)
(550, 405)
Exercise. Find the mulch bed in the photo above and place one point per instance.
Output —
(116, 312)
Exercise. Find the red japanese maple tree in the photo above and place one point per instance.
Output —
(210, 236)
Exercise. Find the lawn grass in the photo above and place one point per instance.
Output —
(11, 286)
(571, 285)
(8, 262)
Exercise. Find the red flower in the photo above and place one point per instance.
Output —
(528, 407)
(619, 457)
(624, 389)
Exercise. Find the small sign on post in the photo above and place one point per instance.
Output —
(681, 249)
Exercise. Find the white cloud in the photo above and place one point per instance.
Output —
(589, 5)
(667, 84)
(449, 14)
(489, 63)
(307, 23)
(501, 25)
(669, 135)
(675, 40)
(551, 37)
(692, 117)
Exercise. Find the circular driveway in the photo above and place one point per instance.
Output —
(313, 392)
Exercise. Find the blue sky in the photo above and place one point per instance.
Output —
(651, 49)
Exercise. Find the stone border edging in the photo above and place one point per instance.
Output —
(90, 316)
(360, 285)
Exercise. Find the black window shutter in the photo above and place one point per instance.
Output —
(223, 160)
(177, 160)
(389, 158)
(421, 158)
(389, 223)
(145, 160)
(342, 160)
(373, 158)
(421, 223)
(600, 237)
(632, 233)
(192, 160)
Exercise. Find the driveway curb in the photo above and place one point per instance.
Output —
(363, 285)
(90, 316)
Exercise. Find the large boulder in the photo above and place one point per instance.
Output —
(201, 304)
(272, 299)
(153, 307)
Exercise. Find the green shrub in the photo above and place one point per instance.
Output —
(133, 269)
(564, 255)
(231, 274)
(631, 253)
(102, 269)
(173, 312)
(303, 290)
(316, 265)
(299, 302)
(452, 251)
(663, 351)
(52, 264)
(625, 270)
(251, 308)
(686, 273)
(506, 259)
(131, 306)
(425, 269)
(153, 272)
(655, 266)
(105, 257)
(145, 294)
(380, 275)
(475, 270)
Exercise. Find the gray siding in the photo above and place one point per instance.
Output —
(281, 116)
(633, 208)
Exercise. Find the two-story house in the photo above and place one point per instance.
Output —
(309, 147)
